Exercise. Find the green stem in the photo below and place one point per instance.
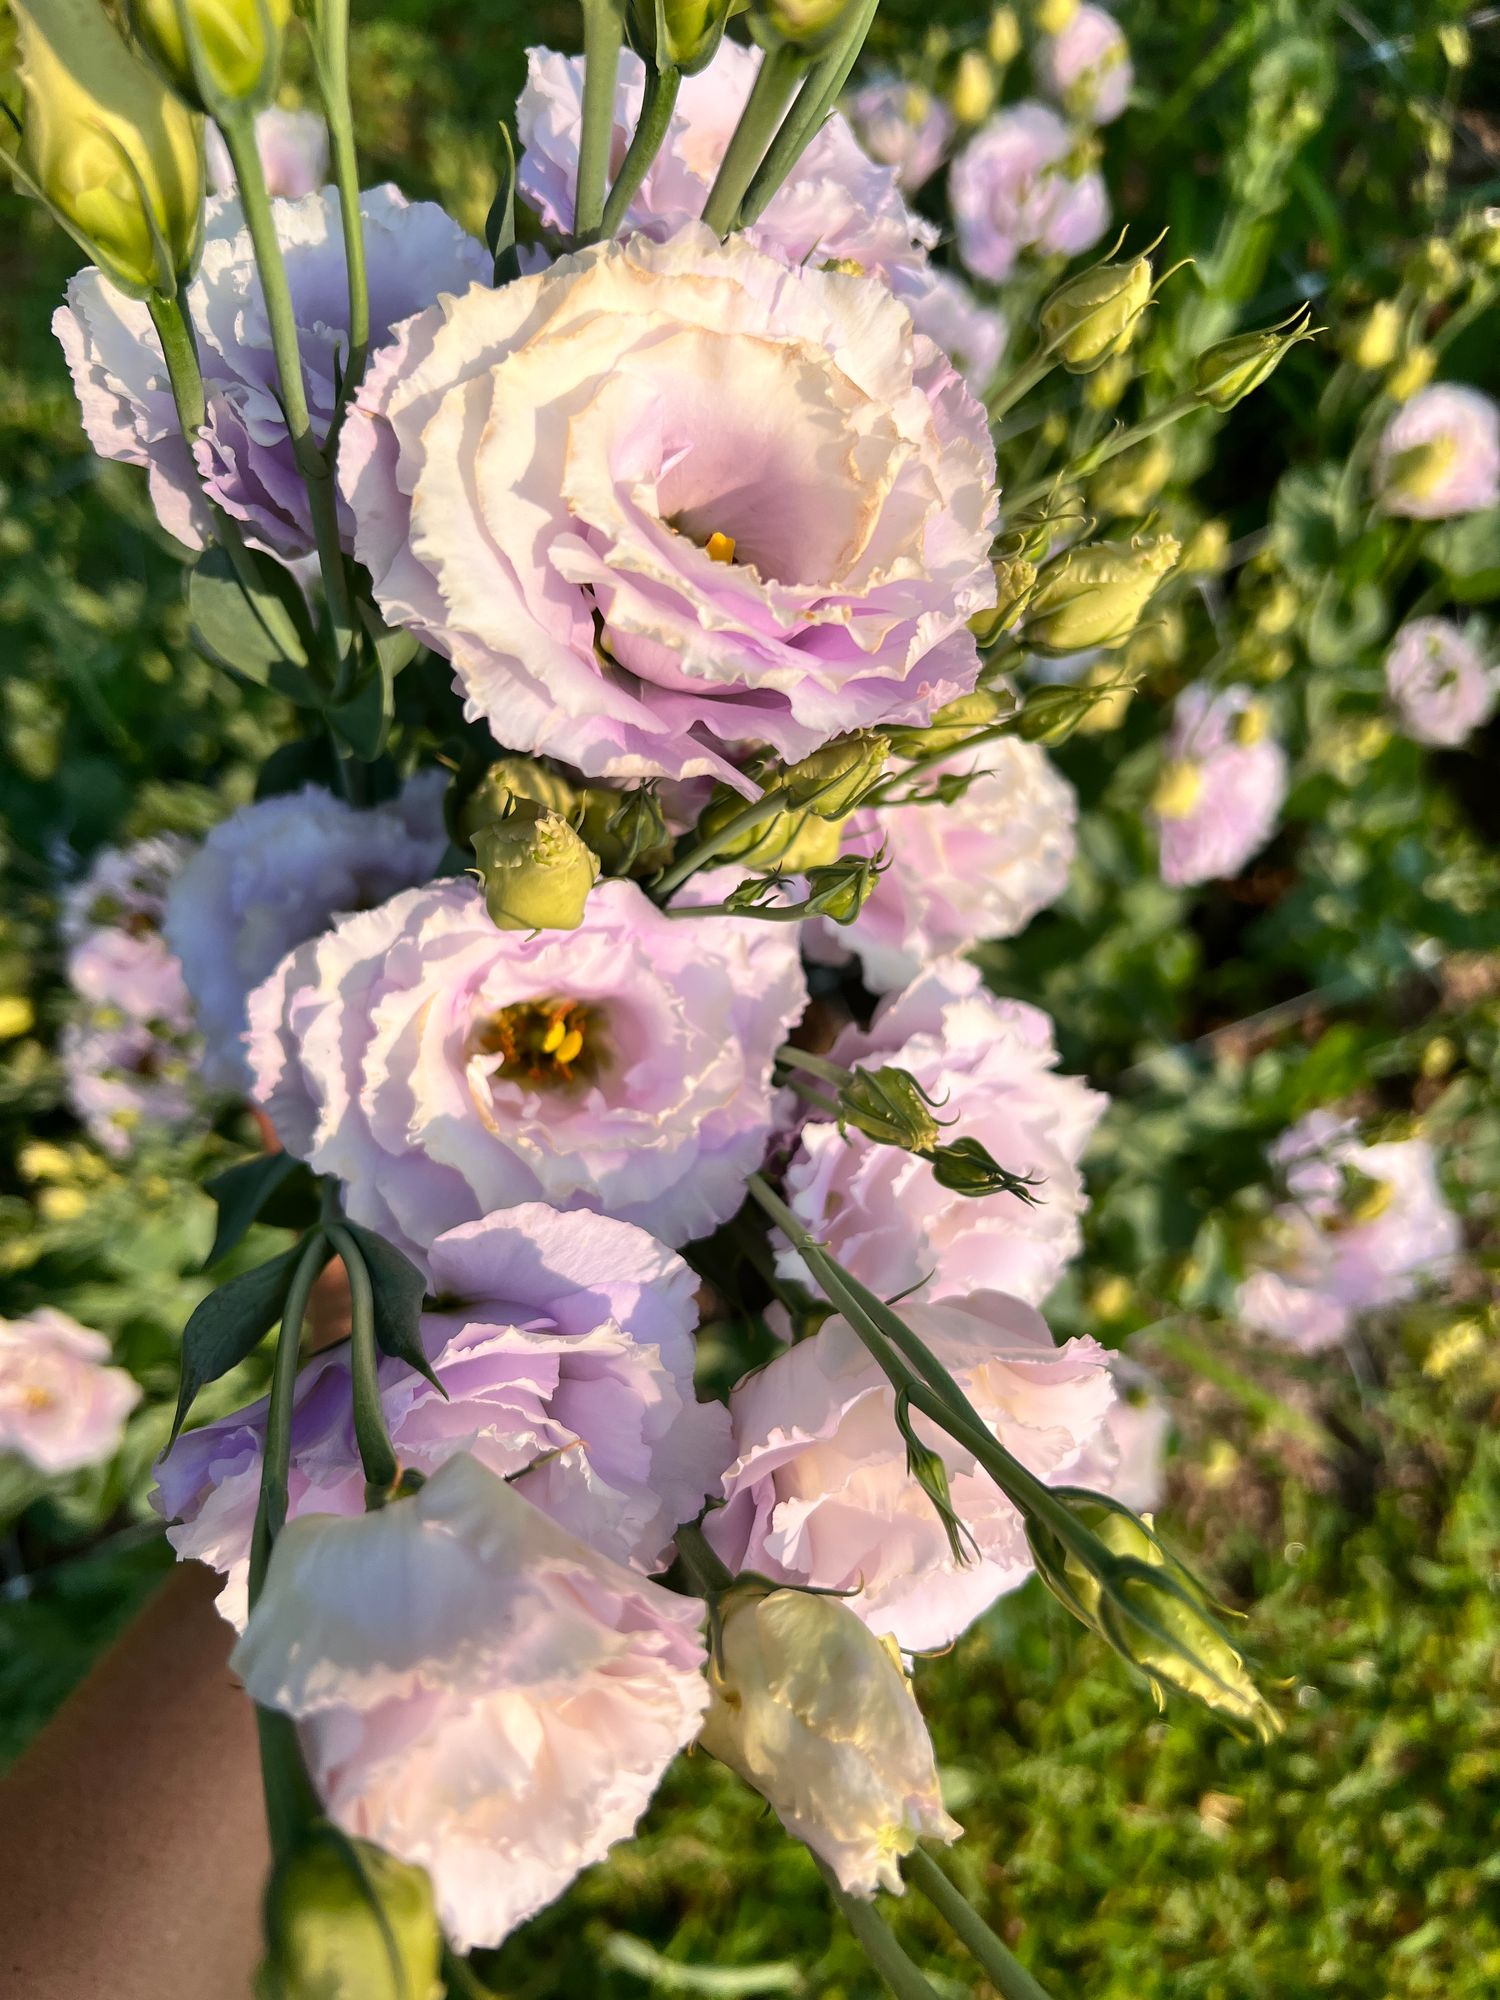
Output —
(818, 1066)
(815, 100)
(603, 33)
(270, 1514)
(657, 106)
(890, 792)
(1014, 387)
(332, 41)
(779, 70)
(376, 1453)
(879, 1945)
(705, 1570)
(829, 1106)
(316, 473)
(1005, 1973)
(702, 852)
(1090, 461)
(174, 329)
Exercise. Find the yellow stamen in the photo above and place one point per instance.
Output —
(1179, 791)
(553, 1039)
(719, 548)
(570, 1047)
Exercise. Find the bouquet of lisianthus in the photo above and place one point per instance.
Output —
(594, 953)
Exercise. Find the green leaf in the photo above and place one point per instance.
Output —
(500, 223)
(394, 646)
(228, 1324)
(243, 1191)
(1343, 623)
(398, 1288)
(1467, 551)
(255, 628)
(364, 721)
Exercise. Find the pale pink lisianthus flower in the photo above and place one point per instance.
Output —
(980, 867)
(1363, 1226)
(1442, 685)
(972, 335)
(1011, 190)
(243, 455)
(477, 1690)
(1086, 66)
(991, 1065)
(563, 1344)
(748, 487)
(277, 872)
(403, 1052)
(293, 148)
(836, 204)
(819, 1493)
(62, 1407)
(1440, 454)
(1222, 790)
(903, 126)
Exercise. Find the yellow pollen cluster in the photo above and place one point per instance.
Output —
(540, 1041)
(719, 548)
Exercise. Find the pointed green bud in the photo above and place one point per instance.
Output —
(1094, 595)
(1151, 1609)
(346, 1921)
(627, 830)
(964, 1166)
(889, 1106)
(536, 870)
(926, 1466)
(507, 779)
(214, 53)
(106, 145)
(680, 34)
(840, 890)
(833, 780)
(1052, 712)
(1225, 373)
(793, 840)
(1093, 316)
(1015, 580)
(954, 723)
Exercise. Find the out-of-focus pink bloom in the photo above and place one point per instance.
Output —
(1362, 1228)
(991, 1065)
(128, 1079)
(1440, 454)
(62, 1406)
(1442, 685)
(443, 1069)
(1222, 790)
(972, 335)
(478, 1691)
(1011, 190)
(903, 126)
(1086, 66)
(979, 868)
(819, 1493)
(293, 148)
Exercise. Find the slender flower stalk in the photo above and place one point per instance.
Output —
(815, 100)
(1004, 1972)
(879, 1944)
(1109, 447)
(376, 1453)
(603, 35)
(330, 42)
(755, 814)
(774, 83)
(657, 106)
(174, 329)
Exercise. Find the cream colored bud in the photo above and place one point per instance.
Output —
(1127, 485)
(537, 872)
(1413, 372)
(1003, 42)
(229, 55)
(1091, 318)
(1377, 338)
(1094, 595)
(971, 95)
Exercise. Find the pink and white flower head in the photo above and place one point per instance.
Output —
(972, 335)
(979, 868)
(1443, 687)
(1011, 189)
(836, 205)
(112, 926)
(903, 126)
(1086, 66)
(127, 1080)
(1440, 454)
(750, 488)
(293, 148)
(415, 1052)
(1221, 793)
(243, 455)
(478, 1691)
(564, 1347)
(991, 1065)
(1363, 1227)
(277, 872)
(819, 1492)
(62, 1407)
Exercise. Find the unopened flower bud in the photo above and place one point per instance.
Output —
(954, 723)
(627, 830)
(1108, 383)
(809, 25)
(1094, 595)
(815, 1713)
(1052, 16)
(1434, 271)
(1015, 580)
(889, 1106)
(510, 778)
(107, 146)
(229, 55)
(1413, 372)
(1205, 550)
(1093, 316)
(1225, 373)
(833, 780)
(792, 840)
(1129, 483)
(347, 1921)
(840, 889)
(691, 31)
(1003, 41)
(1111, 700)
(965, 1166)
(1479, 238)
(1152, 1610)
(1377, 339)
(971, 95)
(537, 872)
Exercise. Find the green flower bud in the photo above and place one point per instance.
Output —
(889, 1106)
(966, 1167)
(1225, 373)
(536, 870)
(214, 52)
(1003, 41)
(1093, 316)
(1094, 595)
(627, 830)
(954, 723)
(106, 145)
(1414, 371)
(1015, 580)
(809, 25)
(680, 34)
(793, 840)
(508, 779)
(840, 890)
(1479, 238)
(1128, 484)
(926, 1466)
(1205, 550)
(1152, 1610)
(833, 780)
(347, 1921)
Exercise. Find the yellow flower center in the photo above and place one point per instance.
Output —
(1180, 789)
(719, 548)
(1250, 725)
(549, 1042)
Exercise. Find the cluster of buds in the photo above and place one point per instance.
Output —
(537, 871)
(814, 798)
(1094, 595)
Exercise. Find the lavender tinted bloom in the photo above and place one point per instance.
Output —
(1221, 793)
(1442, 685)
(277, 872)
(903, 126)
(444, 1069)
(1440, 454)
(1011, 190)
(293, 148)
(126, 1078)
(1363, 1226)
(243, 455)
(61, 1406)
(1085, 66)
